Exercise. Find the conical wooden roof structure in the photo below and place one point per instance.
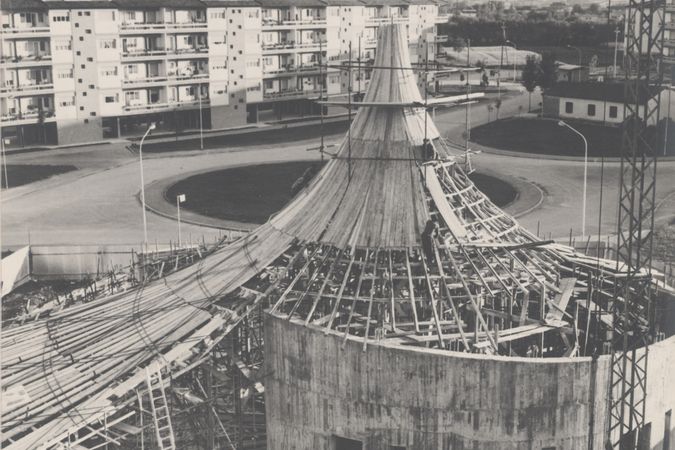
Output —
(369, 195)
(385, 244)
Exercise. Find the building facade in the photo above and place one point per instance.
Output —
(82, 71)
(589, 101)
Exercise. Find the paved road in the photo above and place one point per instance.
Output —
(99, 204)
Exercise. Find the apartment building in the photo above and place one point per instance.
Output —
(669, 38)
(81, 71)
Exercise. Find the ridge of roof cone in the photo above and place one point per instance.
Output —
(370, 195)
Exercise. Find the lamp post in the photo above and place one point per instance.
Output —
(515, 55)
(201, 124)
(665, 133)
(2, 146)
(140, 159)
(578, 51)
(179, 199)
(583, 207)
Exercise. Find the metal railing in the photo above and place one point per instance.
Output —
(320, 22)
(16, 59)
(143, 52)
(291, 93)
(166, 105)
(27, 87)
(29, 30)
(47, 114)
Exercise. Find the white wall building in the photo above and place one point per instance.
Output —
(80, 71)
(590, 101)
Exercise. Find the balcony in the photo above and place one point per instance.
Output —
(31, 116)
(142, 27)
(278, 46)
(23, 32)
(149, 107)
(182, 26)
(269, 23)
(290, 94)
(27, 60)
(27, 89)
(143, 53)
(188, 51)
(138, 82)
(175, 78)
(377, 21)
(290, 70)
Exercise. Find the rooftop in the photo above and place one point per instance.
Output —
(591, 90)
(41, 5)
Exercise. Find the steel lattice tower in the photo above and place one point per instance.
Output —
(632, 307)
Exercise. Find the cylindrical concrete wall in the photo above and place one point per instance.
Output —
(318, 389)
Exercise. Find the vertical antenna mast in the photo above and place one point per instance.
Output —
(358, 68)
(322, 85)
(349, 106)
(467, 128)
(632, 308)
(426, 93)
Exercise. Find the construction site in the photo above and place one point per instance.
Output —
(390, 305)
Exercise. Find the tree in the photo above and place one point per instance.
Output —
(530, 77)
(594, 8)
(547, 71)
(577, 9)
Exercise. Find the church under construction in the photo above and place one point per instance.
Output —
(404, 310)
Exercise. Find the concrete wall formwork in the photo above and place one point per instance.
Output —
(393, 397)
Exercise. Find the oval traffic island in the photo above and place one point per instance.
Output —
(250, 194)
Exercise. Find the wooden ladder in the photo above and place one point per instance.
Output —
(160, 409)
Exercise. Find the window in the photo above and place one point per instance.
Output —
(110, 71)
(62, 45)
(107, 43)
(66, 102)
(613, 112)
(132, 68)
(591, 110)
(64, 74)
(569, 107)
(666, 430)
(92, 114)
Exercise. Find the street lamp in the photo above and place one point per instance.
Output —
(201, 124)
(179, 199)
(515, 55)
(665, 134)
(140, 158)
(583, 207)
(578, 51)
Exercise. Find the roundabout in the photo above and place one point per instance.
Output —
(245, 196)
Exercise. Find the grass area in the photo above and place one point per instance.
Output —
(546, 137)
(571, 56)
(499, 191)
(250, 137)
(18, 174)
(252, 193)
(245, 194)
